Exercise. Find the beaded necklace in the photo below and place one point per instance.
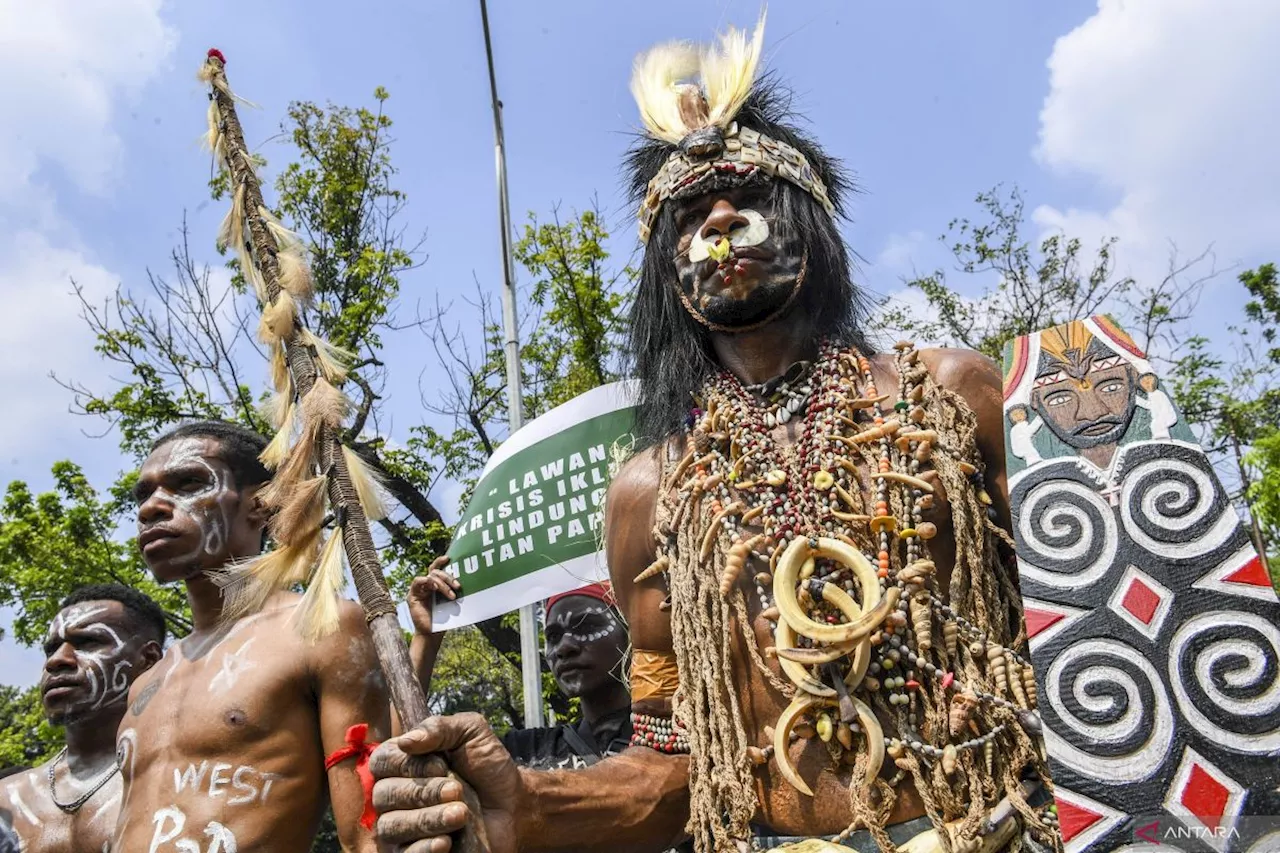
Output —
(781, 504)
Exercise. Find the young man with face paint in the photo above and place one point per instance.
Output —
(225, 741)
(586, 645)
(790, 468)
(103, 638)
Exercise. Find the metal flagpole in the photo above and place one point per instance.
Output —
(530, 662)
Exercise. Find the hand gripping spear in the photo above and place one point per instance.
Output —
(313, 467)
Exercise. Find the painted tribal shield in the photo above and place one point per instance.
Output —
(1155, 631)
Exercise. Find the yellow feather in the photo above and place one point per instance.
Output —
(729, 69)
(324, 405)
(655, 84)
(213, 136)
(281, 379)
(317, 615)
(368, 485)
(301, 512)
(277, 410)
(231, 231)
(278, 448)
(278, 318)
(248, 585)
(300, 464)
(250, 272)
(331, 360)
(285, 239)
(295, 276)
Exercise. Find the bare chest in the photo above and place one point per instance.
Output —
(27, 804)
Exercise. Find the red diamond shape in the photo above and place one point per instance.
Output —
(1205, 797)
(1074, 819)
(1251, 573)
(1141, 600)
(1038, 620)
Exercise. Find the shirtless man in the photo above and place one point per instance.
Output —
(102, 639)
(758, 402)
(223, 747)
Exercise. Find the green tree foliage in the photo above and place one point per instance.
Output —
(1011, 286)
(54, 542)
(1231, 393)
(26, 738)
(184, 347)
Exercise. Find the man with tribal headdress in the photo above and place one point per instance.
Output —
(811, 553)
(103, 638)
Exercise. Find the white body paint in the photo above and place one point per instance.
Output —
(169, 823)
(754, 233)
(234, 664)
(242, 785)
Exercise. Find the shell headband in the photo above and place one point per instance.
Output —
(698, 118)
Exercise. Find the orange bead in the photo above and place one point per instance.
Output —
(884, 467)
(883, 555)
(882, 507)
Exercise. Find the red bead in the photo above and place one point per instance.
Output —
(947, 679)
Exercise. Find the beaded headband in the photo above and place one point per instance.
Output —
(712, 151)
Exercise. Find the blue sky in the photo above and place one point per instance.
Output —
(1153, 120)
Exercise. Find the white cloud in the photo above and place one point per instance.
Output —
(900, 252)
(67, 70)
(64, 68)
(1170, 106)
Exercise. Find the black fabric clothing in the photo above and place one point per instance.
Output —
(570, 746)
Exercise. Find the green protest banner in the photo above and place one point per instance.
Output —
(534, 526)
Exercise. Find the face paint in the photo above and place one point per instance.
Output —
(198, 521)
(755, 232)
(99, 672)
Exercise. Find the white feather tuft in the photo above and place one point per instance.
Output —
(318, 615)
(231, 231)
(295, 276)
(212, 139)
(333, 361)
(281, 379)
(277, 450)
(278, 319)
(729, 69)
(369, 489)
(656, 81)
(285, 239)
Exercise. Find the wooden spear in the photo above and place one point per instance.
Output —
(366, 569)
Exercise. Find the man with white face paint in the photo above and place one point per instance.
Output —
(586, 648)
(103, 638)
(241, 734)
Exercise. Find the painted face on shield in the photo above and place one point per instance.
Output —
(1088, 412)
(91, 660)
(191, 517)
(585, 644)
(737, 262)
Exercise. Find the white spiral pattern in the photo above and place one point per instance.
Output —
(1066, 533)
(1174, 507)
(1209, 643)
(1142, 725)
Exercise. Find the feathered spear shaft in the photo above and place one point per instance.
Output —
(312, 466)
